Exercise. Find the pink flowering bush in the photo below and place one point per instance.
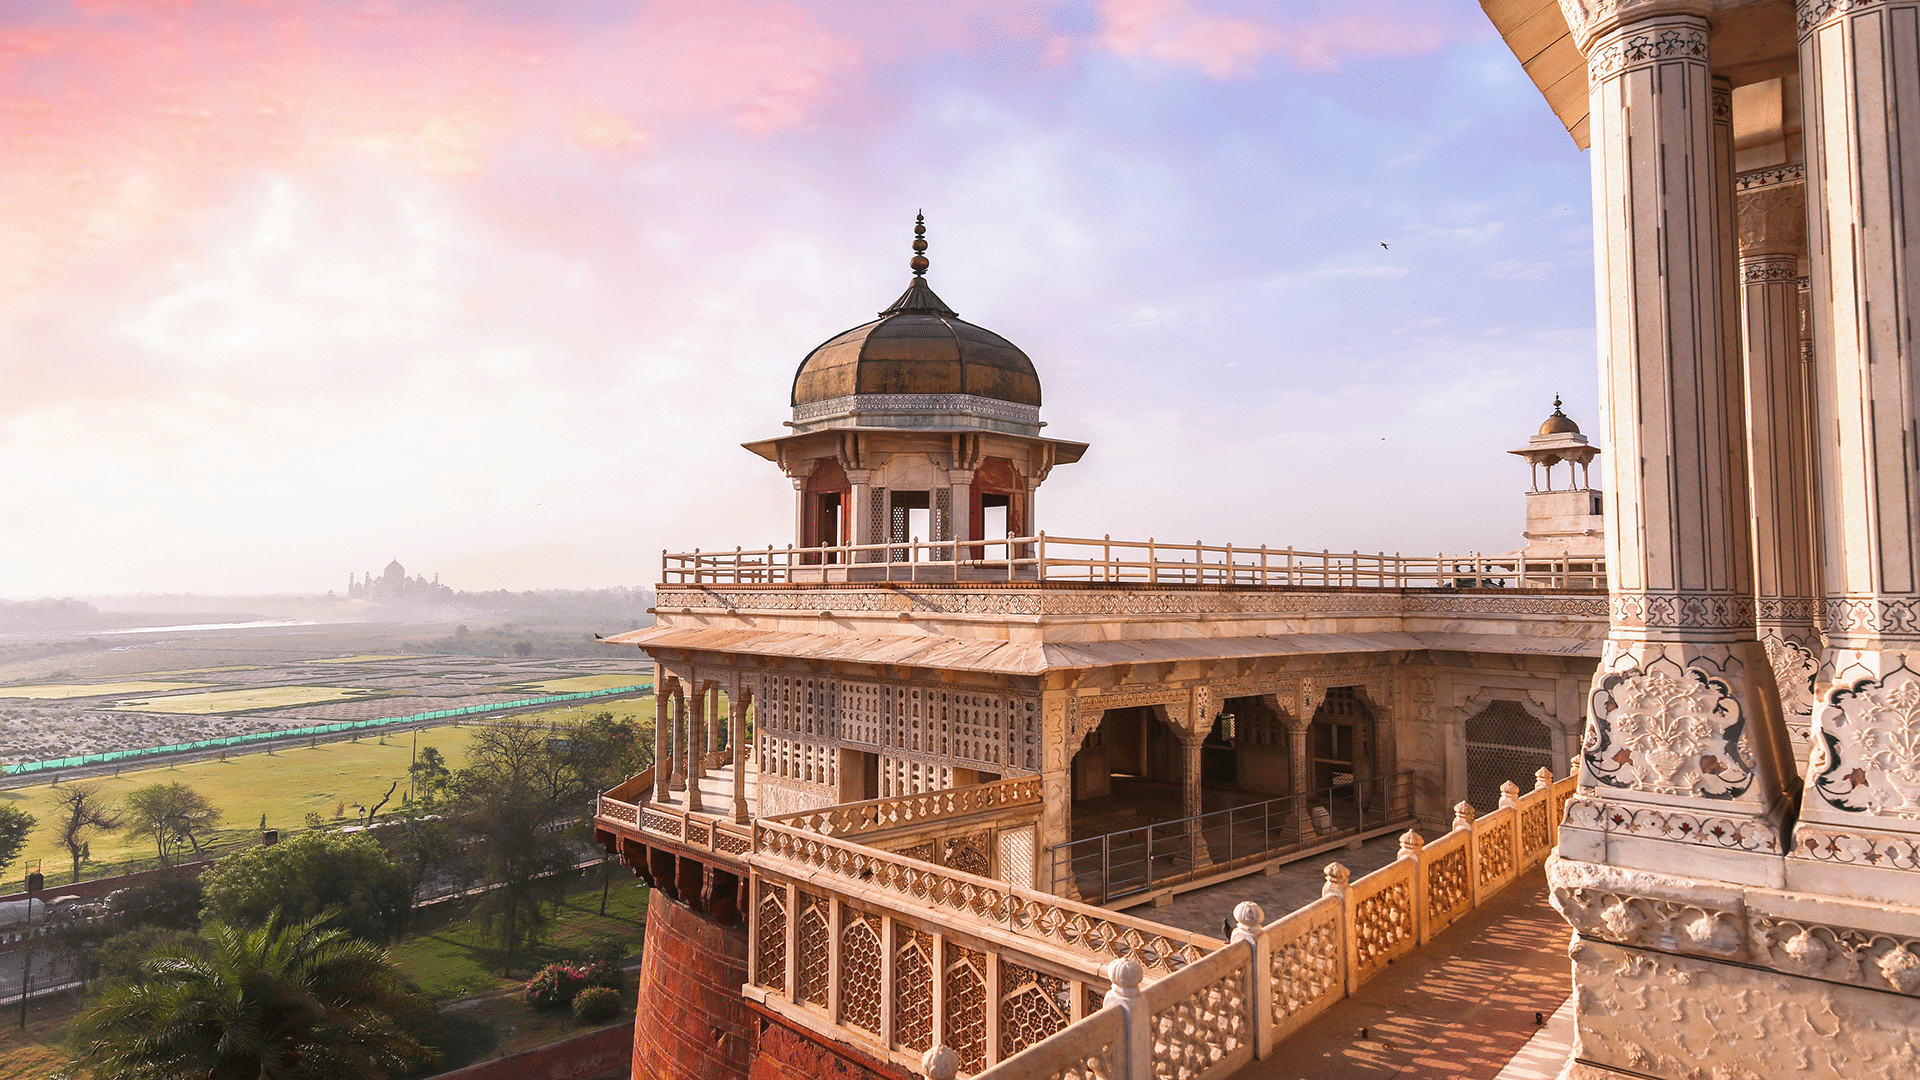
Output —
(556, 984)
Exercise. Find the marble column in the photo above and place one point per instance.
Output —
(860, 510)
(960, 511)
(1859, 828)
(1772, 208)
(696, 726)
(662, 735)
(1686, 759)
(678, 781)
(738, 738)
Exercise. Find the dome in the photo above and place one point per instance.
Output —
(1559, 423)
(918, 346)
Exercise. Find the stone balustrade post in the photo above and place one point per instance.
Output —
(1249, 929)
(1463, 815)
(1412, 849)
(1337, 878)
(940, 1063)
(1124, 975)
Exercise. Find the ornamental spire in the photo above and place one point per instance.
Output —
(919, 262)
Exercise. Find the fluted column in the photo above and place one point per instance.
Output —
(662, 736)
(738, 739)
(1685, 753)
(1860, 812)
(678, 780)
(1772, 208)
(696, 724)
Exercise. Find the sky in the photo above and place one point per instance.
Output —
(290, 288)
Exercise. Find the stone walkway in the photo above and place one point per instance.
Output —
(1461, 1008)
(1293, 886)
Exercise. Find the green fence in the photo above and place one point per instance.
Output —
(312, 730)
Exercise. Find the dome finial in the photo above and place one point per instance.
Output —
(919, 262)
(1556, 403)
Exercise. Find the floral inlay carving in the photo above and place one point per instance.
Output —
(1669, 730)
(1866, 758)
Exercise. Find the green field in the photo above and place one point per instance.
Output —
(361, 659)
(228, 701)
(63, 691)
(285, 785)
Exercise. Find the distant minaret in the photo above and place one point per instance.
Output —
(1567, 520)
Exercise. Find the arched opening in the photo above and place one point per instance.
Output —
(1342, 744)
(1504, 742)
(1126, 774)
(1248, 749)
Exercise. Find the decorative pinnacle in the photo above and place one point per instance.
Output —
(1556, 403)
(919, 262)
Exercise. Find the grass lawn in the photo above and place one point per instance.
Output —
(65, 691)
(37, 1052)
(284, 786)
(446, 954)
(228, 701)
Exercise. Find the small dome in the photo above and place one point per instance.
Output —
(394, 570)
(1559, 423)
(918, 346)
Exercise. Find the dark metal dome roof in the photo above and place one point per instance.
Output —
(917, 346)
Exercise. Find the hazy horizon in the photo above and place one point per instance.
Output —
(290, 289)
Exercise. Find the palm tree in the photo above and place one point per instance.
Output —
(294, 1001)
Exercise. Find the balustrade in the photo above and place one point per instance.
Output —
(1065, 558)
(1243, 1000)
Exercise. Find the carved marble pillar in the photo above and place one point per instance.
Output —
(1686, 757)
(738, 702)
(960, 510)
(696, 725)
(860, 507)
(1772, 208)
(678, 780)
(662, 734)
(1859, 827)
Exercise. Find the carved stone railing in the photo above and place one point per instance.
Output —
(1147, 562)
(628, 806)
(883, 815)
(1269, 981)
(894, 954)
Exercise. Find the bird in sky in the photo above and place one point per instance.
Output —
(1383, 244)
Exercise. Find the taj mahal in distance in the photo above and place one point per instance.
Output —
(938, 792)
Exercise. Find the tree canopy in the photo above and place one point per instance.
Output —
(15, 824)
(82, 813)
(348, 877)
(170, 812)
(291, 1000)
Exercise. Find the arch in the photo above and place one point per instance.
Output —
(1506, 738)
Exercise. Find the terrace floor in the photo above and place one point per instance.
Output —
(716, 793)
(1461, 1008)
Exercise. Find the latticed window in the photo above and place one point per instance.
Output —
(1033, 1006)
(860, 969)
(913, 989)
(771, 962)
(812, 941)
(966, 1019)
(1504, 742)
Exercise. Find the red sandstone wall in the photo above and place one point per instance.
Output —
(692, 1023)
(784, 1052)
(597, 1055)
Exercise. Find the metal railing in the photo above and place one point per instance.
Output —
(1151, 562)
(1102, 869)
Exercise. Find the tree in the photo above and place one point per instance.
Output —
(503, 804)
(171, 902)
(347, 876)
(82, 813)
(430, 773)
(15, 824)
(296, 1000)
(417, 843)
(169, 812)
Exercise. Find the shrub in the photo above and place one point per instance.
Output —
(555, 985)
(596, 1005)
(604, 975)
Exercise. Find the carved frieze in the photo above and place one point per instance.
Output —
(1857, 847)
(1866, 754)
(1642, 46)
(1794, 670)
(1668, 730)
(1680, 611)
(1772, 221)
(1811, 13)
(1883, 616)
(1730, 831)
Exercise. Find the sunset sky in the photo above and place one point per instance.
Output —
(289, 288)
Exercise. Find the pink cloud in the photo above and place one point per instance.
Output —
(1187, 33)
